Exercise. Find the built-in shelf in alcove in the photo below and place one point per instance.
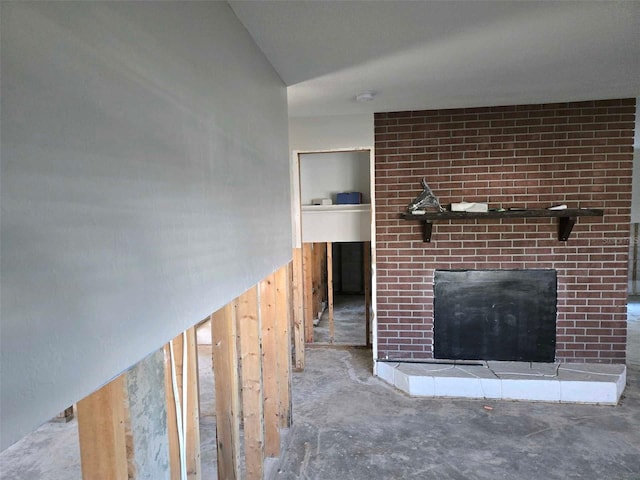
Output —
(337, 207)
(323, 175)
(566, 218)
(336, 223)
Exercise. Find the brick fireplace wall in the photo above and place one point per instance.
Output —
(530, 156)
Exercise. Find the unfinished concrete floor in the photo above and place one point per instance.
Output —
(349, 322)
(350, 425)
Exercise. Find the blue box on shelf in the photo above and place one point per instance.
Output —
(346, 198)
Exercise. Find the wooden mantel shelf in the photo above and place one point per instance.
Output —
(566, 218)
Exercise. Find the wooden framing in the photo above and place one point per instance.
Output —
(316, 263)
(182, 396)
(102, 425)
(319, 274)
(297, 300)
(283, 344)
(307, 284)
(252, 385)
(332, 327)
(251, 346)
(267, 296)
(227, 390)
(192, 435)
(172, 418)
(259, 323)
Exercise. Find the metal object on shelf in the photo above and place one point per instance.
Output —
(425, 199)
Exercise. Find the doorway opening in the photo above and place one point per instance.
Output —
(335, 223)
(343, 317)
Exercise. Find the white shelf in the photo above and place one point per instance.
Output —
(336, 223)
(358, 207)
(325, 175)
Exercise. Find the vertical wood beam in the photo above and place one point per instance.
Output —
(192, 385)
(297, 289)
(252, 386)
(227, 390)
(283, 343)
(173, 368)
(367, 292)
(267, 299)
(307, 282)
(177, 359)
(181, 357)
(323, 273)
(315, 282)
(172, 417)
(332, 329)
(319, 272)
(102, 423)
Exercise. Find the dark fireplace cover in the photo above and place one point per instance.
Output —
(495, 315)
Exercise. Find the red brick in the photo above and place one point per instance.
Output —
(578, 153)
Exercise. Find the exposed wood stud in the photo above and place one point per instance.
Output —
(319, 274)
(259, 322)
(181, 357)
(307, 285)
(176, 348)
(227, 390)
(332, 329)
(315, 282)
(252, 386)
(172, 419)
(283, 339)
(192, 425)
(297, 289)
(102, 425)
(267, 298)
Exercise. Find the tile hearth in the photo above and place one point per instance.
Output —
(545, 382)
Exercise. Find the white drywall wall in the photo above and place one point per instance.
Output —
(343, 223)
(145, 183)
(309, 134)
(324, 175)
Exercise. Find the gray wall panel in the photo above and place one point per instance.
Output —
(144, 184)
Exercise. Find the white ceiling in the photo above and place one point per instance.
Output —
(442, 54)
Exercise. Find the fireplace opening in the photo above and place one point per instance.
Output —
(495, 315)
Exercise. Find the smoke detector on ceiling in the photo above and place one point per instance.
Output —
(367, 96)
